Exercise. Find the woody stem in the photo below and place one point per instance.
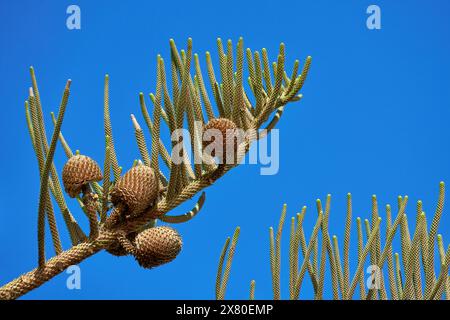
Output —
(35, 278)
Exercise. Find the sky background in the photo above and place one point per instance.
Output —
(374, 120)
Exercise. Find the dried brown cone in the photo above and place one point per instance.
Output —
(136, 191)
(157, 246)
(78, 171)
(230, 138)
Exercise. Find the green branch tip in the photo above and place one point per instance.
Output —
(442, 184)
(358, 219)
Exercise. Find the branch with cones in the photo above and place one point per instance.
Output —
(124, 210)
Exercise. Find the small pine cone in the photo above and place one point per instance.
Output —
(229, 132)
(78, 171)
(157, 246)
(136, 190)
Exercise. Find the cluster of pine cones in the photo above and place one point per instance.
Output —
(135, 192)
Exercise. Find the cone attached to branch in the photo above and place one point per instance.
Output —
(78, 172)
(221, 138)
(136, 191)
(157, 246)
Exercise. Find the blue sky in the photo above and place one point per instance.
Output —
(374, 120)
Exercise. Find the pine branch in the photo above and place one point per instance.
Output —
(43, 194)
(184, 182)
(228, 264)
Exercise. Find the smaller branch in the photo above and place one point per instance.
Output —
(45, 175)
(226, 274)
(108, 130)
(252, 290)
(362, 286)
(140, 139)
(63, 141)
(187, 216)
(106, 181)
(220, 268)
(337, 259)
(313, 239)
(300, 238)
(277, 270)
(347, 232)
(360, 267)
(443, 276)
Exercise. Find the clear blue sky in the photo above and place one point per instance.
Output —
(374, 120)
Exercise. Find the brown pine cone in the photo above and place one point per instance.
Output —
(157, 246)
(230, 136)
(136, 190)
(78, 171)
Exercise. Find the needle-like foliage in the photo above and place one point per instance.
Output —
(404, 274)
